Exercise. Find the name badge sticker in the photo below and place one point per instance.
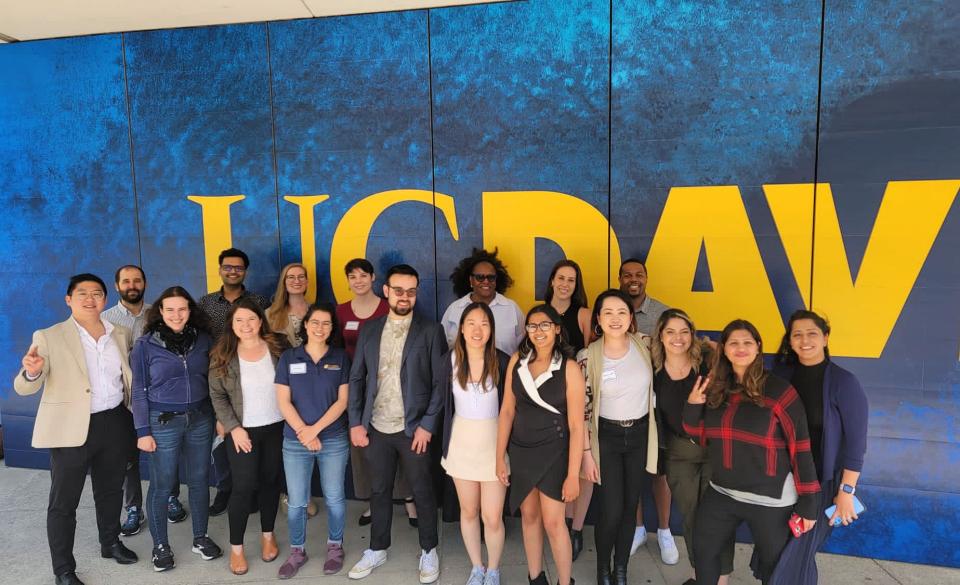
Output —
(300, 368)
(609, 375)
(333, 367)
(352, 325)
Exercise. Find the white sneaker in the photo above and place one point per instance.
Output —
(668, 547)
(639, 539)
(370, 560)
(429, 566)
(477, 576)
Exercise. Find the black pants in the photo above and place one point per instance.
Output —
(623, 458)
(257, 472)
(718, 516)
(104, 455)
(383, 453)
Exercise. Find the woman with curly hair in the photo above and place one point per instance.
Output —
(482, 278)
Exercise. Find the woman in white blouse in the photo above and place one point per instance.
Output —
(242, 369)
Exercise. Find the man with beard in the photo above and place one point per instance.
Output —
(646, 313)
(130, 281)
(394, 408)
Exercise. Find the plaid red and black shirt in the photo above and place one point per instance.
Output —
(752, 448)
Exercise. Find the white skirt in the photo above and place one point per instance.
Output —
(472, 454)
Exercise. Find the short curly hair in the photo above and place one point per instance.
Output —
(460, 277)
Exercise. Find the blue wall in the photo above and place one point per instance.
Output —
(613, 103)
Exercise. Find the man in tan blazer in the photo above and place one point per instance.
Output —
(82, 366)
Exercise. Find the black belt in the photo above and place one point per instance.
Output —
(623, 423)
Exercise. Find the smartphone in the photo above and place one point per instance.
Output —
(858, 509)
(796, 526)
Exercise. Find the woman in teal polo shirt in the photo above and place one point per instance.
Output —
(312, 393)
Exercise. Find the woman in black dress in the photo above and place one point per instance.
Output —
(541, 427)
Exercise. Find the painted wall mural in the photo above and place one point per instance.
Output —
(759, 159)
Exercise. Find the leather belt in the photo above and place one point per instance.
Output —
(624, 423)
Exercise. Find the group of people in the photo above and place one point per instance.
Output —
(536, 413)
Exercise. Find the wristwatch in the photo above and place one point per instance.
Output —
(847, 488)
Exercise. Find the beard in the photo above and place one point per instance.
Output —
(132, 295)
(401, 311)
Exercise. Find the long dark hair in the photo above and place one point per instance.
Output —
(724, 378)
(614, 293)
(225, 349)
(561, 348)
(579, 298)
(198, 319)
(336, 336)
(491, 366)
(786, 355)
(657, 351)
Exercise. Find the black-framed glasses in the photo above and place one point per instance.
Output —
(404, 292)
(484, 277)
(230, 268)
(542, 326)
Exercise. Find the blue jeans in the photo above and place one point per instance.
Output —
(298, 467)
(192, 434)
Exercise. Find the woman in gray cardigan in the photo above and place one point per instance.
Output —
(242, 368)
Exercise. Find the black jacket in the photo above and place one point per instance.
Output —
(422, 355)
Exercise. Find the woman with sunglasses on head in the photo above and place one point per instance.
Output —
(351, 316)
(566, 294)
(311, 385)
(474, 371)
(173, 415)
(242, 369)
(482, 278)
(837, 413)
(541, 428)
(621, 443)
(755, 430)
(289, 302)
(678, 362)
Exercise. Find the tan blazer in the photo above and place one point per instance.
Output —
(64, 414)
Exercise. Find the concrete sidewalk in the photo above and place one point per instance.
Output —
(26, 558)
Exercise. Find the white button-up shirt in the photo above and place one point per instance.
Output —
(507, 316)
(121, 315)
(102, 357)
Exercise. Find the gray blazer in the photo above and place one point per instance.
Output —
(422, 390)
(227, 395)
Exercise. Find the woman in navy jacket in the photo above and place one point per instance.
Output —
(837, 412)
(173, 414)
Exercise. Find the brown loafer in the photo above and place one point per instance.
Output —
(268, 548)
(238, 563)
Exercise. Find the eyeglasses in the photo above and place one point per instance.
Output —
(400, 292)
(484, 277)
(84, 295)
(542, 326)
(228, 268)
(296, 277)
(320, 324)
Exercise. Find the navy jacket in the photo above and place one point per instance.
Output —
(446, 378)
(845, 414)
(165, 381)
(422, 355)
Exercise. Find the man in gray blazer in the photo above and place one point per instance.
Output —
(394, 409)
(82, 366)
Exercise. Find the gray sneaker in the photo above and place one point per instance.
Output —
(476, 576)
(492, 577)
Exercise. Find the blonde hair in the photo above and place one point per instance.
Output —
(657, 351)
(277, 312)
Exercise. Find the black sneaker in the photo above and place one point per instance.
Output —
(133, 523)
(206, 548)
(219, 505)
(175, 511)
(162, 558)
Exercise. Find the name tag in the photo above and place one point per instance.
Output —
(334, 367)
(609, 375)
(300, 368)
(352, 326)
